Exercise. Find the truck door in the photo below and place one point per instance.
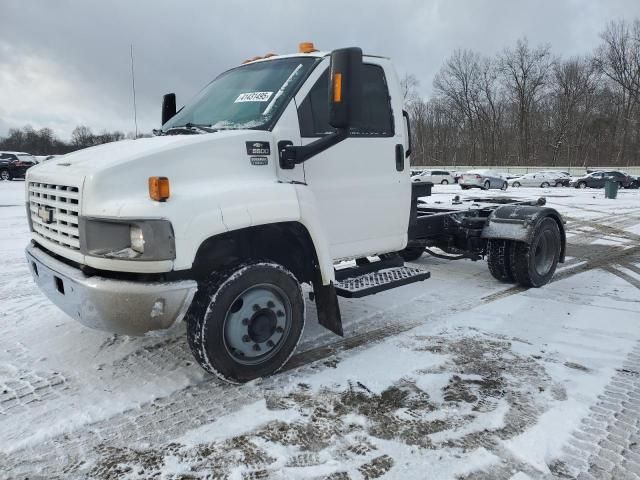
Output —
(361, 185)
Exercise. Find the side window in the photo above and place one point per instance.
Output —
(377, 116)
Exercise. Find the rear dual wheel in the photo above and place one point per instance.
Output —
(530, 265)
(246, 320)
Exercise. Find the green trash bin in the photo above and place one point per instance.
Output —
(610, 188)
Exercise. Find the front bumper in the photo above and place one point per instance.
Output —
(119, 306)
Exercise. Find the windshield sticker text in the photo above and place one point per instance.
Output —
(254, 97)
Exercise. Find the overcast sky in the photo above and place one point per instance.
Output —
(66, 62)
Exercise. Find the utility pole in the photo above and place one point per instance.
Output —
(133, 87)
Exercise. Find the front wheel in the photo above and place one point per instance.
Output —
(544, 185)
(516, 184)
(444, 182)
(582, 185)
(533, 265)
(245, 321)
(505, 185)
(558, 184)
(5, 174)
(486, 185)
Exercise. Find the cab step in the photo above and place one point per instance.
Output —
(378, 281)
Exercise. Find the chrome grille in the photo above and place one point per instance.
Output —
(54, 213)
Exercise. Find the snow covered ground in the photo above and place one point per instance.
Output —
(459, 376)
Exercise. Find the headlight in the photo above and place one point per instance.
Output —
(127, 239)
(137, 238)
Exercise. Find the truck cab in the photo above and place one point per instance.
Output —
(277, 170)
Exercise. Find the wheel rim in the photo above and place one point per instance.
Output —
(257, 323)
(516, 184)
(4, 175)
(582, 185)
(504, 186)
(486, 185)
(544, 185)
(444, 182)
(544, 253)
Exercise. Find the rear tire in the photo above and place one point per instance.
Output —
(582, 185)
(533, 265)
(499, 259)
(544, 185)
(487, 185)
(505, 185)
(444, 182)
(558, 184)
(516, 184)
(245, 321)
(411, 254)
(5, 174)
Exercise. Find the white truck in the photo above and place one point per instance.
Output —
(278, 170)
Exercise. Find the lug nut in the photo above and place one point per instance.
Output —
(245, 321)
(256, 307)
(270, 304)
(279, 329)
(270, 344)
(256, 347)
(280, 313)
(246, 338)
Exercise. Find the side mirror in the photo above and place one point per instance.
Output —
(345, 87)
(168, 107)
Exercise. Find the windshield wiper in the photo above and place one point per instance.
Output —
(189, 129)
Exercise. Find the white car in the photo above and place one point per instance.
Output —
(484, 179)
(442, 177)
(538, 179)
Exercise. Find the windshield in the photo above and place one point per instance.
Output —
(250, 96)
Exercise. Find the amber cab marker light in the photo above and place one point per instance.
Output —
(306, 47)
(337, 87)
(159, 188)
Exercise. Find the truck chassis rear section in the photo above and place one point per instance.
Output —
(513, 235)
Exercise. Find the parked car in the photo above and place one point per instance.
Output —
(560, 179)
(15, 164)
(538, 179)
(484, 179)
(635, 183)
(598, 179)
(442, 177)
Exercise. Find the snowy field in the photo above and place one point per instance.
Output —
(457, 377)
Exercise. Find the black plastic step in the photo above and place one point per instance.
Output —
(379, 281)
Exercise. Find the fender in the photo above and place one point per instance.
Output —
(519, 222)
(253, 204)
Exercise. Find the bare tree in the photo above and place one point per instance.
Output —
(618, 59)
(525, 72)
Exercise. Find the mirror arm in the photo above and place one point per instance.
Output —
(291, 155)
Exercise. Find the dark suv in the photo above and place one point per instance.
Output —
(15, 164)
(598, 179)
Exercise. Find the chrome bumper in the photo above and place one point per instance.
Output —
(119, 306)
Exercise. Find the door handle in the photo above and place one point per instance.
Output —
(399, 157)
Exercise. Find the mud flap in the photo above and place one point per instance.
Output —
(327, 307)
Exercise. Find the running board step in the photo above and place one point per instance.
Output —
(374, 282)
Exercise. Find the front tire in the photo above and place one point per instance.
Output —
(582, 185)
(245, 321)
(544, 185)
(516, 184)
(533, 265)
(505, 185)
(444, 182)
(486, 185)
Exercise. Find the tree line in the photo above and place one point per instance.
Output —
(525, 106)
(45, 142)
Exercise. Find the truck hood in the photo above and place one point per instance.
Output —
(116, 154)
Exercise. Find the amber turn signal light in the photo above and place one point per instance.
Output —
(306, 47)
(159, 188)
(337, 87)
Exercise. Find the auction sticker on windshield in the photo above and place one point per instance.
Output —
(254, 97)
